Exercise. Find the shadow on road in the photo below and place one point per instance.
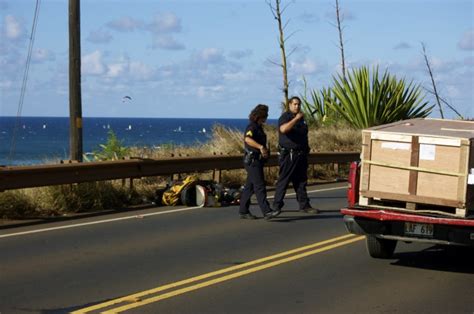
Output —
(67, 309)
(287, 217)
(328, 197)
(442, 258)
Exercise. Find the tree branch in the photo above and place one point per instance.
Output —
(432, 80)
(445, 102)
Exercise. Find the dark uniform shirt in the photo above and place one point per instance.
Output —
(255, 132)
(297, 137)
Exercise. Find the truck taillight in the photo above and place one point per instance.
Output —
(353, 186)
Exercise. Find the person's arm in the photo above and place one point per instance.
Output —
(253, 143)
(286, 127)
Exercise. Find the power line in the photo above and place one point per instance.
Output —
(25, 79)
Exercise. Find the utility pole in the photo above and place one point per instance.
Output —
(75, 100)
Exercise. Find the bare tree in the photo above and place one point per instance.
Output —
(277, 13)
(339, 20)
(444, 101)
(435, 91)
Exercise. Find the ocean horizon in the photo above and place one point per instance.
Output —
(39, 140)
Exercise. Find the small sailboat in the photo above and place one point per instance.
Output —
(129, 127)
(178, 129)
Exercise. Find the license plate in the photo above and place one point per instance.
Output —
(424, 230)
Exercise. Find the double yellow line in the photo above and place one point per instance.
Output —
(154, 295)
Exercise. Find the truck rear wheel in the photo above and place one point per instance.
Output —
(380, 248)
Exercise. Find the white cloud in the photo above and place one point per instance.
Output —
(209, 91)
(116, 69)
(12, 28)
(344, 15)
(125, 24)
(6, 84)
(308, 18)
(402, 45)
(41, 55)
(99, 36)
(92, 64)
(239, 76)
(453, 91)
(467, 40)
(444, 66)
(166, 42)
(211, 55)
(304, 67)
(141, 71)
(161, 26)
(438, 65)
(240, 54)
(469, 61)
(165, 23)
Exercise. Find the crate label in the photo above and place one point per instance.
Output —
(470, 177)
(427, 152)
(394, 145)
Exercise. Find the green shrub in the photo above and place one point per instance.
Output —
(83, 197)
(15, 204)
(112, 150)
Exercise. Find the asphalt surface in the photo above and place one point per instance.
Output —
(207, 260)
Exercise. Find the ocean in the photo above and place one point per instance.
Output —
(39, 140)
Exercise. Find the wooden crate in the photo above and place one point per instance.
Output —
(420, 161)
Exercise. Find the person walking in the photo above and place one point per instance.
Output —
(293, 159)
(256, 153)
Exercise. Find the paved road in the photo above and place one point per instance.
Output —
(206, 260)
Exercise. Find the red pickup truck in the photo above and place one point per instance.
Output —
(383, 227)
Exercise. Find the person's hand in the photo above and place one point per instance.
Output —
(299, 115)
(264, 151)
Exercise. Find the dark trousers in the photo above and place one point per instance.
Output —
(294, 169)
(255, 184)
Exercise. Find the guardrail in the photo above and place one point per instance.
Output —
(17, 177)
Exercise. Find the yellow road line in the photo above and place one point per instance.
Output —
(139, 295)
(230, 276)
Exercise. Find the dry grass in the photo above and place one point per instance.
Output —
(66, 199)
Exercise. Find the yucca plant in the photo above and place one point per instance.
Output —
(317, 108)
(364, 100)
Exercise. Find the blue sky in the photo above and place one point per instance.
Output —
(212, 59)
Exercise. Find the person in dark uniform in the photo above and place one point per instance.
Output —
(293, 159)
(256, 153)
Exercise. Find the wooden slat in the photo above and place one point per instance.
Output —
(413, 198)
(436, 171)
(365, 167)
(414, 162)
(463, 168)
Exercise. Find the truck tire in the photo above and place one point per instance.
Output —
(380, 248)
